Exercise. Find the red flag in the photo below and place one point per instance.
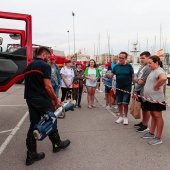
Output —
(160, 53)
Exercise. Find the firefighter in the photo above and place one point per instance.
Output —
(40, 98)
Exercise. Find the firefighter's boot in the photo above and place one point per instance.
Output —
(32, 154)
(57, 143)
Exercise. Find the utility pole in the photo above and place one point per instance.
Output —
(68, 43)
(73, 14)
(108, 36)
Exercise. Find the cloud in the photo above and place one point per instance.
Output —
(122, 19)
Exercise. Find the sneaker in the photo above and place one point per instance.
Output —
(155, 141)
(104, 105)
(116, 107)
(100, 91)
(79, 106)
(97, 90)
(120, 120)
(138, 125)
(108, 107)
(148, 135)
(63, 144)
(93, 106)
(143, 129)
(89, 107)
(125, 122)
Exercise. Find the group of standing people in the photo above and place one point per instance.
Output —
(71, 79)
(149, 83)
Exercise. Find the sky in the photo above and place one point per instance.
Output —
(100, 25)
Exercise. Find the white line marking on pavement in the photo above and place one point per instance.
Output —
(9, 138)
(14, 105)
(108, 110)
(111, 112)
(5, 131)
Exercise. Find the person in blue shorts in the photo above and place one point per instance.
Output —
(108, 86)
(124, 77)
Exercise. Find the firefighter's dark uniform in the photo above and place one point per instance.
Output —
(38, 101)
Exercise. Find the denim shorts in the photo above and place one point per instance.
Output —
(122, 97)
(107, 89)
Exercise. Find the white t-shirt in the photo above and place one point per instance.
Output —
(68, 75)
(91, 73)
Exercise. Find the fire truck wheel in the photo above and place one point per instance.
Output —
(20, 81)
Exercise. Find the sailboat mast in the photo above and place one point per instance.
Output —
(160, 35)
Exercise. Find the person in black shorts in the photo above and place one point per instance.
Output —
(140, 80)
(40, 98)
(153, 89)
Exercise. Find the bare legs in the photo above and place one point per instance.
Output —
(123, 108)
(90, 95)
(108, 100)
(145, 117)
(156, 122)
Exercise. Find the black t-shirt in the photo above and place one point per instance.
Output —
(34, 75)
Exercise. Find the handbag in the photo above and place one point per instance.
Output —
(76, 85)
(112, 94)
(135, 108)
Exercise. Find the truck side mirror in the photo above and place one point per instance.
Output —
(1, 40)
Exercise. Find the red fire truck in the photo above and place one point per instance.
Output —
(14, 61)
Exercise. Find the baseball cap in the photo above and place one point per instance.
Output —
(52, 57)
(78, 63)
(67, 60)
(108, 64)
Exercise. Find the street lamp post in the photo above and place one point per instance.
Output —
(68, 42)
(73, 14)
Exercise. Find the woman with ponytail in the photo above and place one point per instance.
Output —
(153, 89)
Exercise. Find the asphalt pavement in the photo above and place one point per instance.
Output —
(97, 142)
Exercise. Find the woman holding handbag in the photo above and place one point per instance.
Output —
(91, 74)
(80, 76)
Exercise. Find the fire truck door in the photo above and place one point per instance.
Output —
(12, 66)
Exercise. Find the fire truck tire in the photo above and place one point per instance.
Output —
(20, 81)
